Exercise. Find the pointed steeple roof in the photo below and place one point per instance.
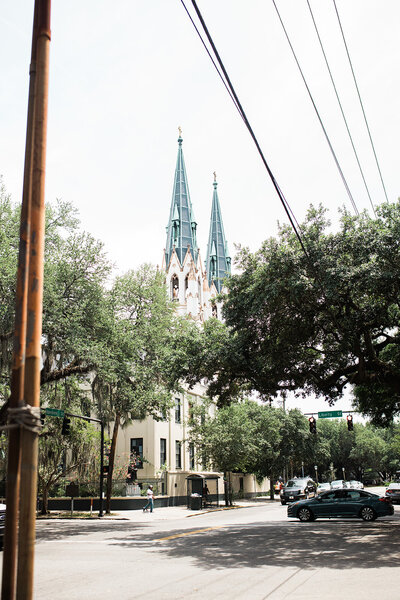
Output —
(181, 228)
(218, 261)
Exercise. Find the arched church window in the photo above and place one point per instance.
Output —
(175, 288)
(214, 311)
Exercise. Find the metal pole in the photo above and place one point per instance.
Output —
(18, 365)
(29, 446)
(101, 471)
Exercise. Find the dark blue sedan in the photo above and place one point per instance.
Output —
(342, 503)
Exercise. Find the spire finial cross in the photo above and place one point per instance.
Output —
(180, 132)
(215, 177)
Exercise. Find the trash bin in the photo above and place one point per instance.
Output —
(195, 502)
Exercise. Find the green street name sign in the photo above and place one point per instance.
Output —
(54, 412)
(330, 413)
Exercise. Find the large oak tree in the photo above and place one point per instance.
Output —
(314, 324)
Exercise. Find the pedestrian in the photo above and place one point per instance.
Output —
(150, 499)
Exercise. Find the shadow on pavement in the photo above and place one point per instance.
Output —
(342, 544)
(58, 530)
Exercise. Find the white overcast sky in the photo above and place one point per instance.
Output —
(125, 74)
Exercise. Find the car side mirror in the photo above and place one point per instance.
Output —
(319, 498)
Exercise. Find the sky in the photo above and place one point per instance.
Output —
(124, 75)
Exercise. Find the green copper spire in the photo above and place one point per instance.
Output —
(181, 228)
(218, 262)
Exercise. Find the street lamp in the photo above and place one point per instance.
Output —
(316, 473)
(302, 468)
(344, 474)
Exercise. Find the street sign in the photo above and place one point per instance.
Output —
(55, 412)
(329, 414)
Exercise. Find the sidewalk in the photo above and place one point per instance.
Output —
(179, 512)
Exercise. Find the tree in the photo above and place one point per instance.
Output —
(316, 324)
(76, 271)
(62, 455)
(135, 379)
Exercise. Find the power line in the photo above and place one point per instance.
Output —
(340, 106)
(361, 102)
(246, 121)
(317, 113)
(211, 58)
(282, 198)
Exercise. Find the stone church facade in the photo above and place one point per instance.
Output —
(165, 455)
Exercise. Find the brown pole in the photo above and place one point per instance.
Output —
(18, 364)
(29, 446)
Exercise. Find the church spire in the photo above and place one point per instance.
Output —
(218, 261)
(181, 228)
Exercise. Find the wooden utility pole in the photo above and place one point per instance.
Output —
(25, 381)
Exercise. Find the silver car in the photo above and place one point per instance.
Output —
(338, 484)
(323, 487)
(356, 485)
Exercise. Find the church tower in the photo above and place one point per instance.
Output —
(218, 261)
(182, 262)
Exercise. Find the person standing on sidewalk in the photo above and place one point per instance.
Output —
(150, 499)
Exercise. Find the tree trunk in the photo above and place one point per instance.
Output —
(111, 460)
(226, 493)
(271, 486)
(45, 500)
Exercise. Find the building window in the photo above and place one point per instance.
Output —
(178, 455)
(163, 451)
(177, 410)
(175, 288)
(137, 452)
(191, 457)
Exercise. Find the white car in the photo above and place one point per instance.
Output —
(323, 487)
(339, 483)
(356, 485)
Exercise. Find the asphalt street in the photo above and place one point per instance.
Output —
(252, 552)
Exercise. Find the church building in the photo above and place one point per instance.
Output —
(165, 456)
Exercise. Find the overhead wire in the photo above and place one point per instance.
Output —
(211, 58)
(292, 219)
(361, 102)
(242, 113)
(340, 106)
(317, 113)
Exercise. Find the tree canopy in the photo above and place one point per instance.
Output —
(314, 324)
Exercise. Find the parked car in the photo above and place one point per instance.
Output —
(323, 487)
(2, 523)
(295, 489)
(393, 492)
(356, 485)
(339, 483)
(342, 503)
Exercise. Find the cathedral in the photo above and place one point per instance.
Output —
(191, 284)
(165, 456)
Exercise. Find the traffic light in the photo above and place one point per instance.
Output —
(349, 422)
(66, 426)
(313, 425)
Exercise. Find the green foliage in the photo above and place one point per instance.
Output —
(252, 438)
(317, 325)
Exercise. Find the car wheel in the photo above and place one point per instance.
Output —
(304, 514)
(283, 502)
(368, 514)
